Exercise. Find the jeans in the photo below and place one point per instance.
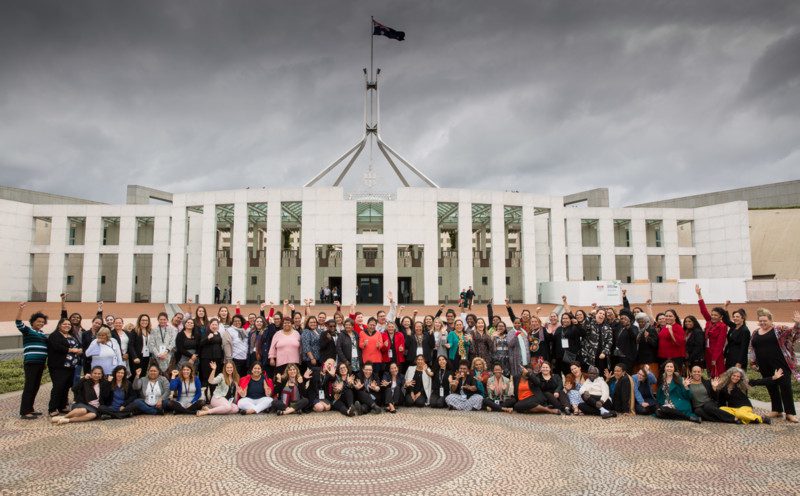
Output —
(139, 406)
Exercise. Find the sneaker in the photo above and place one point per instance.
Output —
(105, 416)
(357, 408)
(766, 420)
(696, 419)
(351, 412)
(376, 409)
(608, 415)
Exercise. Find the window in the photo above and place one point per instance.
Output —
(70, 280)
(485, 280)
(440, 280)
(72, 233)
(298, 279)
(102, 279)
(508, 281)
(253, 280)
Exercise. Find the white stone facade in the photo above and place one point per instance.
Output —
(183, 255)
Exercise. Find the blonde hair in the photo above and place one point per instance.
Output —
(129, 327)
(763, 312)
(105, 331)
(478, 360)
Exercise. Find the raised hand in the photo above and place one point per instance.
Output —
(624, 292)
(138, 372)
(796, 317)
(263, 305)
(213, 365)
(174, 374)
(777, 375)
(308, 373)
(698, 290)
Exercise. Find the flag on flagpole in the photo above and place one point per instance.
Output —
(379, 29)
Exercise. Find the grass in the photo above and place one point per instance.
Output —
(760, 392)
(12, 376)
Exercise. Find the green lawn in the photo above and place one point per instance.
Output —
(12, 377)
(760, 392)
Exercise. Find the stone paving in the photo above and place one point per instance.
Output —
(416, 451)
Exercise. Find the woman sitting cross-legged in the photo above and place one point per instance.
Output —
(596, 396)
(553, 388)
(255, 391)
(291, 390)
(367, 390)
(732, 387)
(343, 401)
(674, 399)
(223, 400)
(463, 391)
(393, 389)
(440, 385)
(153, 391)
(116, 395)
(87, 399)
(188, 389)
(530, 397)
(643, 382)
(418, 383)
(499, 391)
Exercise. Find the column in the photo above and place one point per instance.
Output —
(558, 243)
(430, 257)
(349, 275)
(639, 245)
(90, 284)
(208, 255)
(574, 249)
(465, 273)
(56, 260)
(498, 261)
(530, 288)
(389, 271)
(608, 261)
(672, 268)
(308, 256)
(161, 259)
(178, 248)
(272, 275)
(127, 239)
(239, 253)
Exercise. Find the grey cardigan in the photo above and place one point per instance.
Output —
(140, 385)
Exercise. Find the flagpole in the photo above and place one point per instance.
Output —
(371, 44)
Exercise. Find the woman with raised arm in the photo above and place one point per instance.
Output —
(773, 350)
(530, 397)
(672, 341)
(463, 391)
(87, 399)
(732, 388)
(34, 358)
(188, 389)
(291, 391)
(716, 332)
(153, 392)
(223, 401)
(704, 398)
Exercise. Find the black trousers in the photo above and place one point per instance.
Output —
(560, 403)
(780, 393)
(62, 381)
(363, 397)
(299, 405)
(180, 409)
(710, 411)
(664, 412)
(33, 379)
(420, 402)
(523, 406)
(507, 403)
(648, 410)
(437, 401)
(115, 414)
(344, 402)
(589, 406)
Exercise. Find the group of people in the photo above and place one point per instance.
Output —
(587, 362)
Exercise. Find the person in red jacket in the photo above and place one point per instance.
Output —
(672, 340)
(373, 344)
(716, 332)
(395, 351)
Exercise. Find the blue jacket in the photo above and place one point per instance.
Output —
(651, 379)
(177, 385)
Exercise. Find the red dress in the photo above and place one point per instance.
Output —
(669, 347)
(716, 333)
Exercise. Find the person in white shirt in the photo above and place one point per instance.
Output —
(104, 351)
(596, 396)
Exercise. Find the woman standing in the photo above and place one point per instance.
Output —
(716, 332)
(372, 344)
(162, 343)
(187, 389)
(596, 341)
(440, 333)
(695, 343)
(566, 344)
(500, 346)
(482, 343)
(347, 350)
(419, 342)
(211, 351)
(672, 341)
(310, 342)
(285, 347)
(187, 345)
(235, 344)
(458, 343)
(223, 401)
(104, 351)
(737, 341)
(140, 353)
(773, 350)
(124, 341)
(63, 352)
(519, 355)
(34, 344)
(674, 398)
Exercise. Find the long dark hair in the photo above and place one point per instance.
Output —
(694, 322)
(124, 384)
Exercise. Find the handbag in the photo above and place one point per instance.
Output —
(569, 357)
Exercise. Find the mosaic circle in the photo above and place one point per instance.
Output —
(372, 459)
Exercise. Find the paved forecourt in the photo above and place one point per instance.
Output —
(412, 452)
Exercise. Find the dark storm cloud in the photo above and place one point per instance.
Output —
(650, 99)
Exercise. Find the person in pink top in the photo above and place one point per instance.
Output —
(285, 348)
(716, 332)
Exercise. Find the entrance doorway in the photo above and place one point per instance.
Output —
(335, 282)
(370, 288)
(405, 295)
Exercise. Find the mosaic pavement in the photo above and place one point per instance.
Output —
(412, 452)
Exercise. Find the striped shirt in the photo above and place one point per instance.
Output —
(34, 344)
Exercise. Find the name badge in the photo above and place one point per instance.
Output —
(564, 343)
(321, 394)
(151, 399)
(463, 395)
(145, 352)
(391, 353)
(441, 392)
(497, 402)
(162, 349)
(419, 350)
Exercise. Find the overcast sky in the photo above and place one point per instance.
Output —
(650, 99)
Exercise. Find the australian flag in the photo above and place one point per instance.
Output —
(379, 29)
